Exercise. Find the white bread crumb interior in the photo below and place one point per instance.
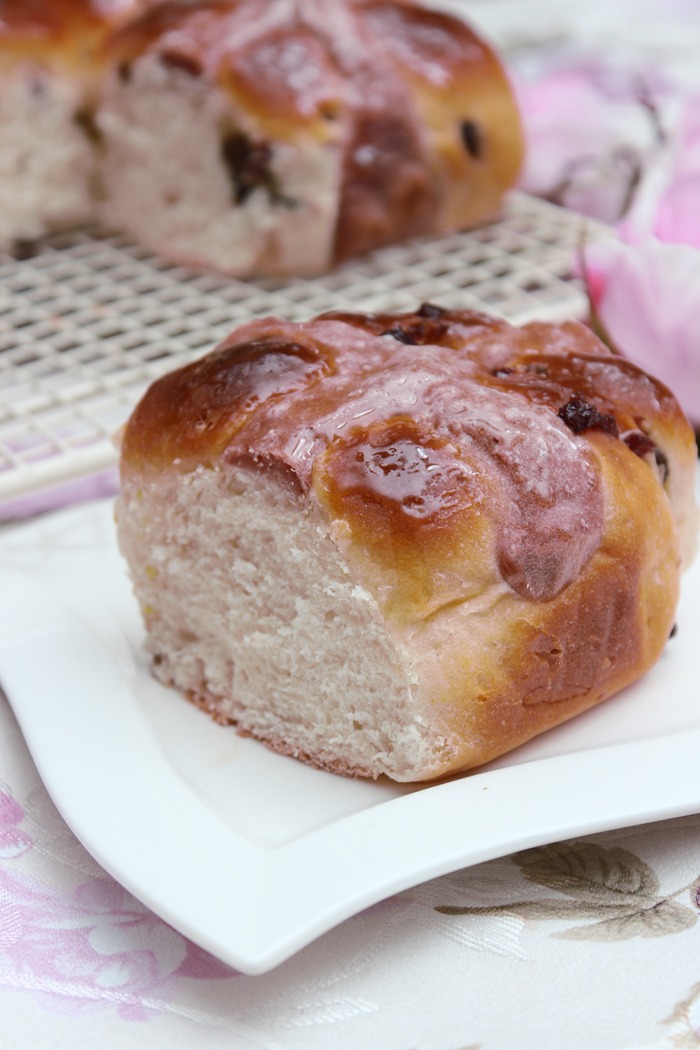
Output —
(249, 596)
(47, 163)
(166, 183)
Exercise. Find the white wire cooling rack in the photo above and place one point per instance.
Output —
(88, 321)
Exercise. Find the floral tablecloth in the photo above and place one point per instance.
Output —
(589, 945)
(592, 943)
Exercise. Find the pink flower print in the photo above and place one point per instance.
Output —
(678, 215)
(647, 300)
(590, 135)
(668, 198)
(93, 948)
(13, 841)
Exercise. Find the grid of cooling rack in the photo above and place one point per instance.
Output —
(88, 321)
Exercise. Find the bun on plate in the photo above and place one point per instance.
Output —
(404, 544)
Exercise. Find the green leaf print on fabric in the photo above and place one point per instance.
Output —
(686, 1021)
(662, 918)
(612, 886)
(586, 871)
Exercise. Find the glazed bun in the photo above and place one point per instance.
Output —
(405, 544)
(255, 138)
(282, 137)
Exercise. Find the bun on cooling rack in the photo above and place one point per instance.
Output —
(266, 138)
(403, 544)
(282, 137)
(49, 69)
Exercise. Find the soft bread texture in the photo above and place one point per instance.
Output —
(50, 68)
(254, 138)
(405, 544)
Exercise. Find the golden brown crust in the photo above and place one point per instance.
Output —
(67, 31)
(465, 103)
(278, 69)
(57, 17)
(553, 660)
(271, 381)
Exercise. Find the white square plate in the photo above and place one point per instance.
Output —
(251, 854)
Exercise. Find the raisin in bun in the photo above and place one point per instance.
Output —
(281, 137)
(404, 544)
